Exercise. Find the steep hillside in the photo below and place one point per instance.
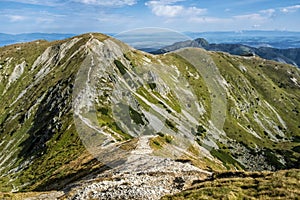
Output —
(77, 107)
(37, 132)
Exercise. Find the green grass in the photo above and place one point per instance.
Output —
(47, 150)
(198, 86)
(245, 185)
(50, 145)
(258, 83)
(226, 158)
(122, 69)
(160, 141)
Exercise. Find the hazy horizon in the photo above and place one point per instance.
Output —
(276, 39)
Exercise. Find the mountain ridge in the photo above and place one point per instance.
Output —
(41, 145)
(289, 56)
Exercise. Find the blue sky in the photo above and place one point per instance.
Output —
(113, 16)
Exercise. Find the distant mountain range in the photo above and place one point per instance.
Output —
(7, 39)
(275, 39)
(289, 56)
(254, 38)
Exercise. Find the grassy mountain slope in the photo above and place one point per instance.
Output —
(48, 130)
(245, 185)
(37, 133)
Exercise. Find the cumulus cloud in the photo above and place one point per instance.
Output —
(168, 8)
(290, 9)
(161, 9)
(108, 2)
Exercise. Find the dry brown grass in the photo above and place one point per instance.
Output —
(246, 185)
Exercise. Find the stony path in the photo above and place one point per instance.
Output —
(143, 146)
(142, 176)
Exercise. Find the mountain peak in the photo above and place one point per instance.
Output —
(83, 105)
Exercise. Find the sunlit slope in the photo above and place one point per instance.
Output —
(218, 110)
(251, 185)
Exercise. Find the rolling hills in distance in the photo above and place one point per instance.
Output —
(90, 117)
(289, 56)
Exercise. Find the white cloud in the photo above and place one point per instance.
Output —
(290, 9)
(37, 2)
(91, 2)
(166, 8)
(30, 17)
(161, 9)
(253, 16)
(260, 16)
(108, 2)
(255, 26)
(210, 20)
(24, 1)
(114, 18)
(269, 12)
(16, 18)
(195, 11)
(253, 20)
